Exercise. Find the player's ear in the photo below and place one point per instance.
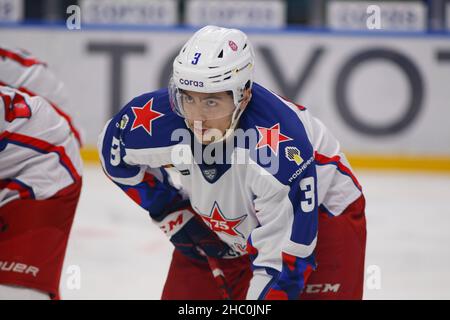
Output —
(247, 98)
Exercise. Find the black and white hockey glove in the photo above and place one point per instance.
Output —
(190, 234)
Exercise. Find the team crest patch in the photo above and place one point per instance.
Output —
(144, 116)
(293, 154)
(210, 174)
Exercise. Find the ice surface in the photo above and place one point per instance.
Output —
(122, 255)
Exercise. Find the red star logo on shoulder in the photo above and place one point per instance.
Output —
(144, 116)
(271, 137)
(218, 223)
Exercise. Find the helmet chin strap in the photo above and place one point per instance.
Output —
(234, 120)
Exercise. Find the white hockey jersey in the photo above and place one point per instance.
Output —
(260, 194)
(39, 154)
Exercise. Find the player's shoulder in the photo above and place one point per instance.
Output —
(148, 121)
(18, 56)
(282, 146)
(269, 110)
(19, 105)
(31, 116)
(13, 98)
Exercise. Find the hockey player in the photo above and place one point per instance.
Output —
(40, 179)
(241, 180)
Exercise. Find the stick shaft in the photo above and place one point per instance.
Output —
(219, 277)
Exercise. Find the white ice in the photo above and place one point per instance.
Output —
(115, 252)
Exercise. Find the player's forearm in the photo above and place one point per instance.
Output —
(270, 284)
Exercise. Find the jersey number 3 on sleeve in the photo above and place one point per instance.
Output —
(307, 186)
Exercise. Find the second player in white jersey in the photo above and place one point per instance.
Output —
(40, 183)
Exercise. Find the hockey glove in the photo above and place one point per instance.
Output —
(190, 234)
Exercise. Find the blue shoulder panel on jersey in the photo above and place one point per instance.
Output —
(147, 121)
(150, 122)
(282, 145)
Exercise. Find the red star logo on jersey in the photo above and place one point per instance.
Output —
(144, 116)
(218, 223)
(271, 137)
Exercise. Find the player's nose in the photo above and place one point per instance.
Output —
(200, 115)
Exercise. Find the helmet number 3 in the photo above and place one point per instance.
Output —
(196, 57)
(307, 185)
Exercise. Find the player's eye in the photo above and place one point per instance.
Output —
(211, 103)
(188, 99)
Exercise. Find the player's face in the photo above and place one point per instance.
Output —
(208, 114)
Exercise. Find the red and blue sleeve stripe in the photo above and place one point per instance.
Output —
(22, 60)
(43, 147)
(24, 190)
(336, 160)
(57, 109)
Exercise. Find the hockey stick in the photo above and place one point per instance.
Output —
(219, 277)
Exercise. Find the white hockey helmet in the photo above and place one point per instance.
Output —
(213, 60)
